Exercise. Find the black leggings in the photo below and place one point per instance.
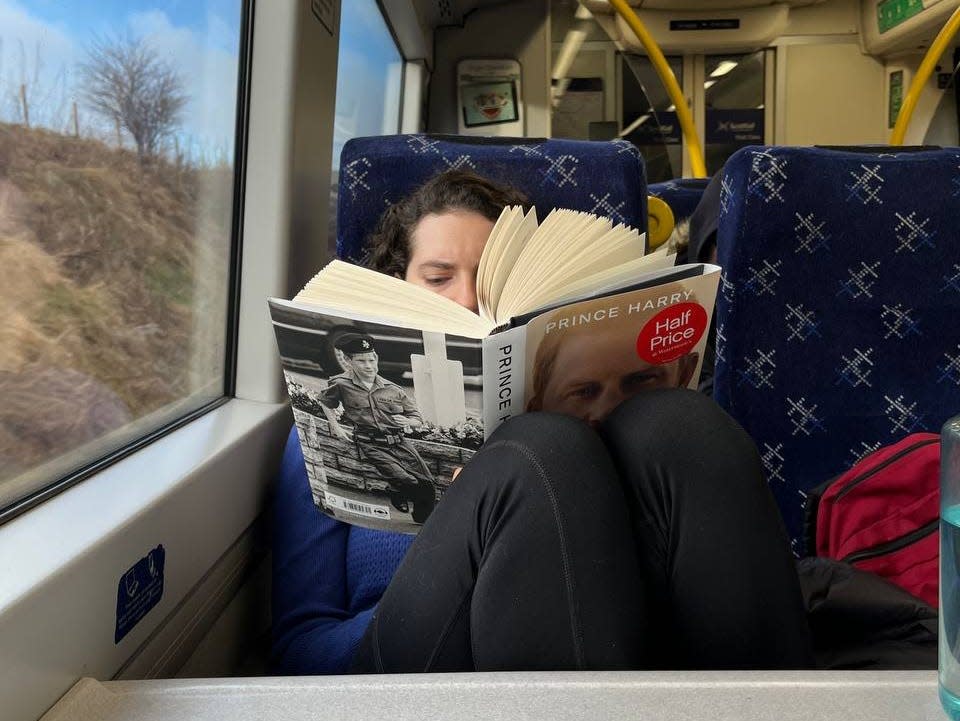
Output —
(652, 543)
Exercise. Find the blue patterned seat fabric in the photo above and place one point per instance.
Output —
(837, 320)
(682, 194)
(606, 178)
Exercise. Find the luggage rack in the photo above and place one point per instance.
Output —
(678, 696)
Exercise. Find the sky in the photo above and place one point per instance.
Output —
(42, 42)
(368, 64)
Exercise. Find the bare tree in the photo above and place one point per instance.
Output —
(127, 82)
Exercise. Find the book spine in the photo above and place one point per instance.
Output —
(504, 370)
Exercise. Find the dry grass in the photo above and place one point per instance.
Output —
(113, 282)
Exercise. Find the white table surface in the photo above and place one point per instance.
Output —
(704, 696)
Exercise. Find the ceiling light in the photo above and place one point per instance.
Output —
(582, 13)
(709, 84)
(723, 68)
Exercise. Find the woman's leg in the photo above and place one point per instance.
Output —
(528, 562)
(717, 569)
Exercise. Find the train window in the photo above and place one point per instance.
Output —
(369, 82)
(733, 91)
(118, 198)
(649, 118)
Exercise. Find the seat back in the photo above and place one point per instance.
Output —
(682, 194)
(837, 319)
(606, 178)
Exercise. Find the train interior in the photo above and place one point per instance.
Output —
(160, 443)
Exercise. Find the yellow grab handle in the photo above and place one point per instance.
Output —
(660, 222)
(939, 46)
(669, 83)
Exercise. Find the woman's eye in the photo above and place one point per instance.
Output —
(439, 280)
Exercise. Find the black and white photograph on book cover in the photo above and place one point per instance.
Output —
(386, 416)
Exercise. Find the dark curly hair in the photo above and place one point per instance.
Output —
(388, 248)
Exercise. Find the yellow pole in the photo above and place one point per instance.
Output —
(939, 46)
(669, 82)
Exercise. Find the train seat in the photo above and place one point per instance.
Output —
(682, 194)
(607, 178)
(836, 318)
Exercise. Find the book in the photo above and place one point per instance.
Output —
(394, 388)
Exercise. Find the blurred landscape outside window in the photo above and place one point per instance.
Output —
(117, 142)
(369, 87)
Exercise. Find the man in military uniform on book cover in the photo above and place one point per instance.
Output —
(379, 411)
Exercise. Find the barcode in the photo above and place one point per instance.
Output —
(361, 509)
(358, 507)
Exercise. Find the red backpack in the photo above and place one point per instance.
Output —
(883, 515)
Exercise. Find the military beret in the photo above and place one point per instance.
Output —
(353, 343)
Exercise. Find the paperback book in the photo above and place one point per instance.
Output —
(394, 388)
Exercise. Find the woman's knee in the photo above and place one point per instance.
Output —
(680, 436)
(541, 452)
(544, 432)
(676, 418)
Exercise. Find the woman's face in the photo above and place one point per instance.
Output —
(593, 374)
(445, 253)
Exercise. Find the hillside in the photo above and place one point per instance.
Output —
(113, 280)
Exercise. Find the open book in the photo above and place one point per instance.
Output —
(395, 387)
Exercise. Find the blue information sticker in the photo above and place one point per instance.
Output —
(139, 590)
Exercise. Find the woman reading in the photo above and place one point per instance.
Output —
(640, 535)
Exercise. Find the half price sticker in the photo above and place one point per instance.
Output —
(672, 333)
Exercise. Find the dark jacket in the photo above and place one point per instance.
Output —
(861, 621)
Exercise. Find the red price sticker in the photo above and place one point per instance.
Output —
(672, 333)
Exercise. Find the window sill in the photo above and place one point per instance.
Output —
(194, 491)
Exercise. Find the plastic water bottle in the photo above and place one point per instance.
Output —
(950, 568)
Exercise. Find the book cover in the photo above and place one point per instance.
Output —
(385, 426)
(388, 415)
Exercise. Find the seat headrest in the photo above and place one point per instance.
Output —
(606, 178)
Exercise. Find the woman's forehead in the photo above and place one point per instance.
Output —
(451, 234)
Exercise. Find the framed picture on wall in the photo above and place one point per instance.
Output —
(489, 103)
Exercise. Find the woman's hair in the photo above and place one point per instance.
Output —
(389, 245)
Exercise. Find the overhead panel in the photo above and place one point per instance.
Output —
(891, 13)
(603, 6)
(713, 30)
(437, 13)
(897, 27)
(698, 26)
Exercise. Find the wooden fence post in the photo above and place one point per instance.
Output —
(76, 121)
